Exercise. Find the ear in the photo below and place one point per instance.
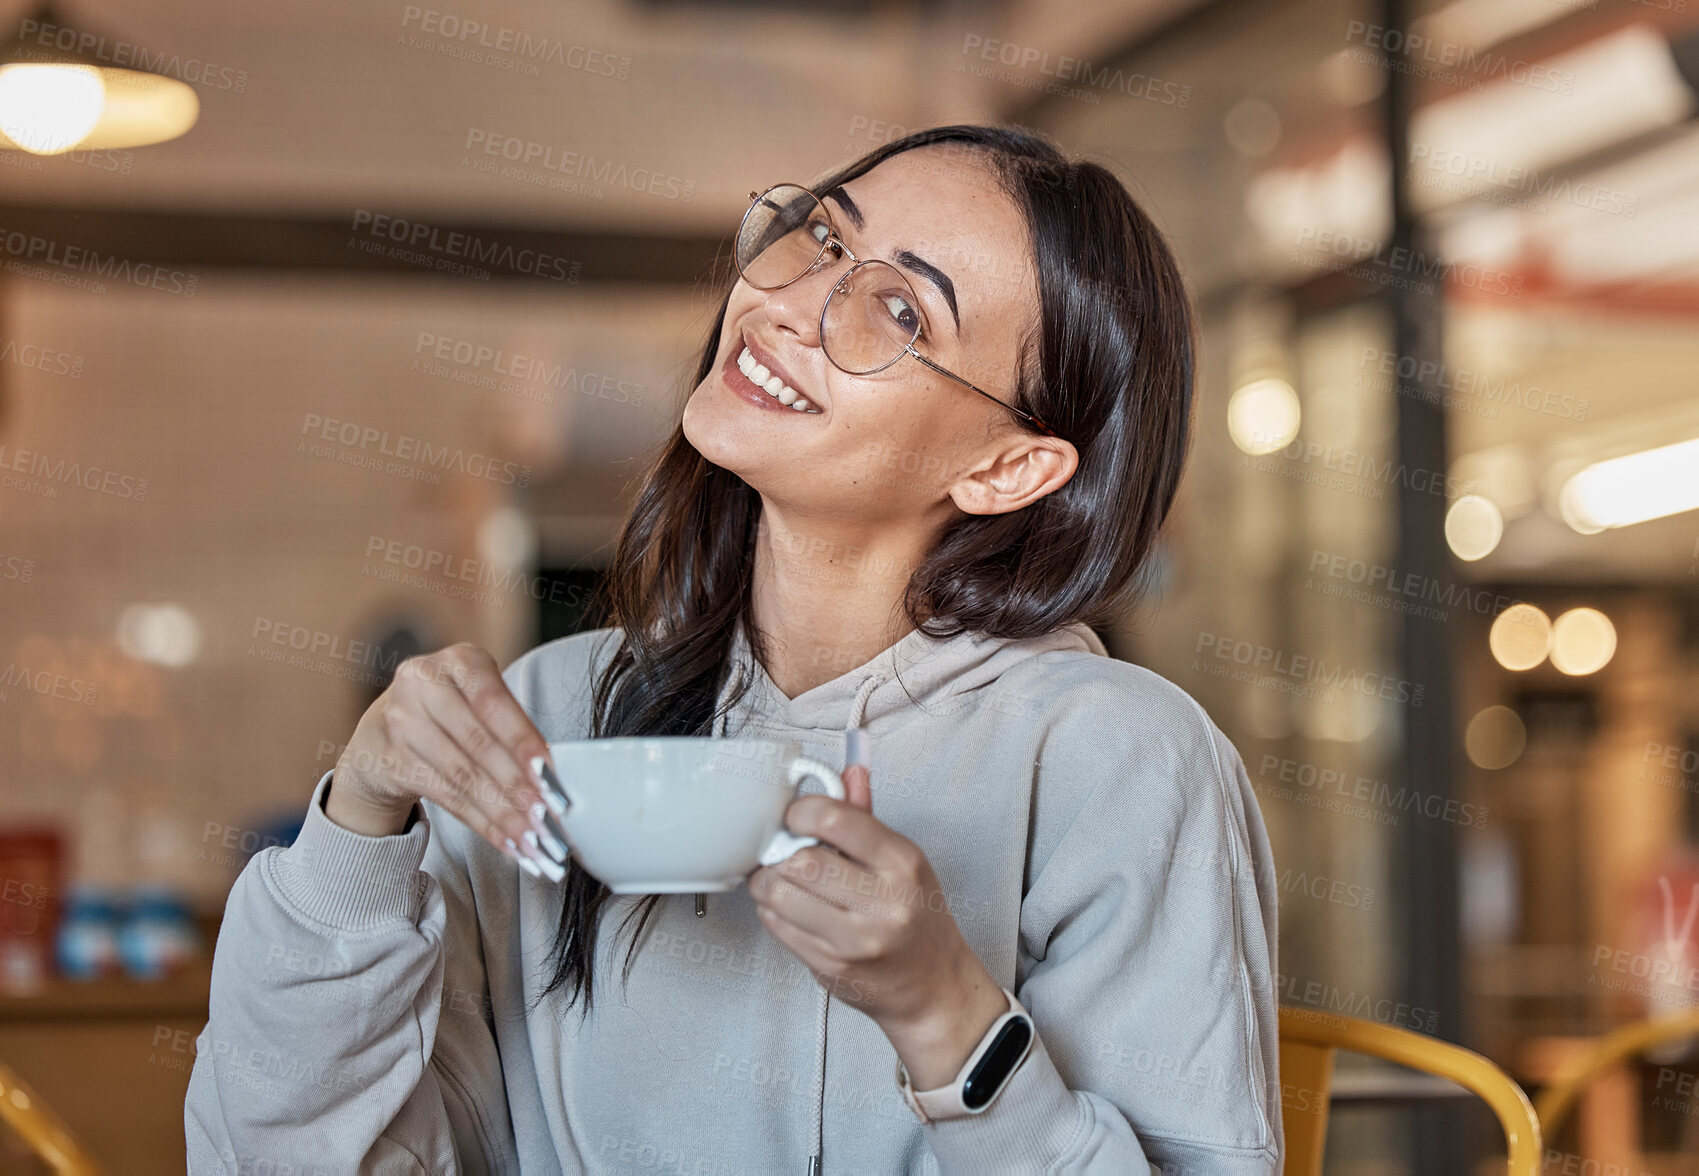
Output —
(1021, 471)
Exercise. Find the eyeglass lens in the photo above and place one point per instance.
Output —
(871, 316)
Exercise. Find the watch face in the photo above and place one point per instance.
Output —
(996, 1063)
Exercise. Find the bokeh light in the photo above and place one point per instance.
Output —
(1495, 738)
(1473, 527)
(1521, 637)
(1263, 416)
(165, 634)
(1583, 641)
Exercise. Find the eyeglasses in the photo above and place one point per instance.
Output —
(871, 317)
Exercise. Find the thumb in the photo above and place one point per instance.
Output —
(858, 768)
(858, 786)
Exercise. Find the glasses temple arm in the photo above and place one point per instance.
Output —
(1027, 416)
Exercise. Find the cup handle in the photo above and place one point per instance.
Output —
(784, 843)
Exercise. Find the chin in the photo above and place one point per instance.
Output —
(710, 431)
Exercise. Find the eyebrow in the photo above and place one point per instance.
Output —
(904, 258)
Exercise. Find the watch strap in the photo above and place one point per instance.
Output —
(945, 1102)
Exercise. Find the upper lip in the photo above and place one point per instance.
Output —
(766, 360)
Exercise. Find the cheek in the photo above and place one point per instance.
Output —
(742, 302)
(901, 456)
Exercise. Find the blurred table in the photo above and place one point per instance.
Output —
(112, 1058)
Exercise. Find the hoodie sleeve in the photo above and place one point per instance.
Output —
(1147, 955)
(325, 1049)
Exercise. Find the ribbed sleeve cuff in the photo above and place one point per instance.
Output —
(1035, 1122)
(348, 880)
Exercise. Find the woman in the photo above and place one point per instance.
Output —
(840, 537)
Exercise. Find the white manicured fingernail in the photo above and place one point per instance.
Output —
(525, 863)
(550, 841)
(858, 748)
(554, 872)
(555, 803)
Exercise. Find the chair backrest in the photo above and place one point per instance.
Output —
(1308, 1040)
(22, 1110)
(1558, 1098)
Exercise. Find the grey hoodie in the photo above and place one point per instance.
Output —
(1097, 841)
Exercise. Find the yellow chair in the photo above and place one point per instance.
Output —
(1614, 1048)
(1308, 1039)
(42, 1130)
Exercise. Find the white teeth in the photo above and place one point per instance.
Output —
(775, 387)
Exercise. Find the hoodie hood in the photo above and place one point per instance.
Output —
(918, 671)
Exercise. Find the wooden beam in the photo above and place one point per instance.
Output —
(366, 240)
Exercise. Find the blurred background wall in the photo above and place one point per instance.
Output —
(268, 423)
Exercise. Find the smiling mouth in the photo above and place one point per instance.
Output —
(771, 384)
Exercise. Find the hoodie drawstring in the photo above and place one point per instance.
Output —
(858, 708)
(858, 711)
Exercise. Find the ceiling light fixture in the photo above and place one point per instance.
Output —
(1632, 489)
(64, 88)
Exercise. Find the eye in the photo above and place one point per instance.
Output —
(820, 231)
(906, 317)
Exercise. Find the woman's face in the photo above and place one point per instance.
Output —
(903, 442)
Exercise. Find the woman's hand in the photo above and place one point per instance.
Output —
(447, 728)
(873, 925)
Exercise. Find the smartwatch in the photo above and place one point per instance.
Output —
(982, 1077)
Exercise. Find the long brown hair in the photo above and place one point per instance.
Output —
(1108, 365)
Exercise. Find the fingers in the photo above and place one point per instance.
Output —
(463, 788)
(448, 728)
(460, 708)
(826, 876)
(483, 771)
(786, 890)
(481, 805)
(853, 831)
(515, 736)
(495, 707)
(491, 727)
(796, 937)
(482, 716)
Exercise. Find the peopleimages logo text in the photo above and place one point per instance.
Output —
(28, 247)
(407, 448)
(1301, 667)
(1466, 60)
(1074, 69)
(453, 243)
(68, 473)
(471, 32)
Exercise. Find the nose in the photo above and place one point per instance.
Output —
(797, 307)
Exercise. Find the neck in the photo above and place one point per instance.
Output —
(828, 598)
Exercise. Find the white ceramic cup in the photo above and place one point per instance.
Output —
(681, 814)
